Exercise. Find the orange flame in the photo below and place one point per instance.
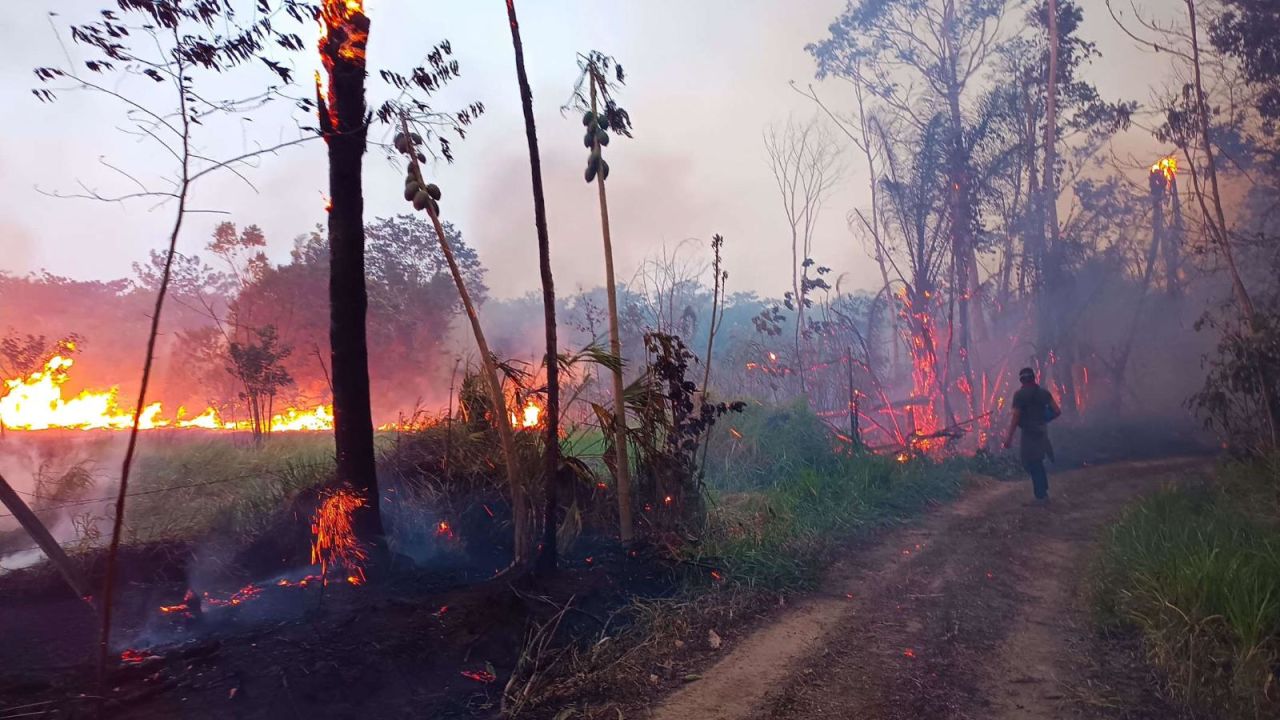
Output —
(528, 417)
(344, 33)
(920, 339)
(36, 402)
(1168, 167)
(333, 538)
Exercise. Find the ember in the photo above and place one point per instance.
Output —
(133, 657)
(333, 539)
(189, 607)
(480, 676)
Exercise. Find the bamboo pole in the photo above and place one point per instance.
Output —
(40, 534)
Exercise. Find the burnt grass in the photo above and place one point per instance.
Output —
(438, 639)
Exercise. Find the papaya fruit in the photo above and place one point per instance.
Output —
(602, 137)
(590, 174)
(587, 118)
(604, 169)
(410, 189)
(420, 199)
(588, 139)
(434, 191)
(433, 207)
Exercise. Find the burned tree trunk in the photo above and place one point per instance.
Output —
(344, 124)
(1060, 350)
(551, 453)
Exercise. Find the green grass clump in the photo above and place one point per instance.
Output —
(1197, 570)
(186, 489)
(781, 538)
(765, 446)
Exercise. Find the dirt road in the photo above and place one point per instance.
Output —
(976, 611)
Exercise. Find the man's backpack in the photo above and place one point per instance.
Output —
(1049, 413)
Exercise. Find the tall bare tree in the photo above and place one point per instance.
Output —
(168, 42)
(551, 451)
(805, 162)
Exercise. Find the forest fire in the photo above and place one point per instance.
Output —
(924, 361)
(36, 402)
(333, 539)
(1168, 167)
(528, 417)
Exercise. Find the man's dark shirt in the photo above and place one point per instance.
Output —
(1032, 402)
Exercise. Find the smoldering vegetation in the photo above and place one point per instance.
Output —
(690, 450)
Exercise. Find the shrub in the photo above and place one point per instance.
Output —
(1198, 572)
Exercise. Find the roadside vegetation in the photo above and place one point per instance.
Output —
(1196, 570)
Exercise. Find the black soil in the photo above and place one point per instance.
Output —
(426, 642)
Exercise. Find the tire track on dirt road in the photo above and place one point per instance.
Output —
(971, 612)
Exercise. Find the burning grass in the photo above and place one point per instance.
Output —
(1197, 571)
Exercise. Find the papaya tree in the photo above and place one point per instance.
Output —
(551, 458)
(598, 121)
(426, 196)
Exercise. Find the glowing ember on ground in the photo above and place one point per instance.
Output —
(715, 575)
(909, 653)
(239, 597)
(444, 530)
(333, 539)
(480, 676)
(189, 606)
(133, 657)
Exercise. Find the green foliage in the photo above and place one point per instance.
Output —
(781, 538)
(1232, 400)
(190, 489)
(1198, 572)
(764, 446)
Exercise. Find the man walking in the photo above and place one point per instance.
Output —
(1033, 409)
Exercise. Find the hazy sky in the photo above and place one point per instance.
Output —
(705, 78)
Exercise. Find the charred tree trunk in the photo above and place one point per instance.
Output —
(551, 453)
(1062, 353)
(962, 212)
(344, 124)
(1171, 244)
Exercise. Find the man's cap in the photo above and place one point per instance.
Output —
(1026, 374)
